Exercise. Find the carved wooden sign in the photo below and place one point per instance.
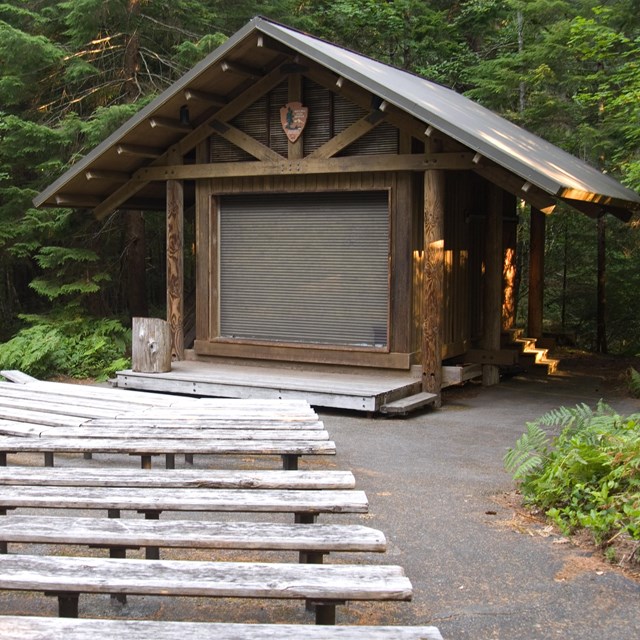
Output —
(293, 117)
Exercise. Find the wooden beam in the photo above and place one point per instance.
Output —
(346, 137)
(245, 141)
(76, 200)
(595, 210)
(492, 282)
(240, 69)
(232, 109)
(596, 198)
(119, 196)
(433, 281)
(189, 142)
(502, 357)
(394, 115)
(193, 95)
(347, 164)
(157, 122)
(111, 176)
(175, 265)
(265, 42)
(138, 150)
(203, 240)
(514, 184)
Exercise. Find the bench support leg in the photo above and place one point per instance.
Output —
(48, 459)
(145, 461)
(326, 612)
(170, 461)
(118, 552)
(290, 462)
(152, 553)
(3, 459)
(67, 604)
(304, 518)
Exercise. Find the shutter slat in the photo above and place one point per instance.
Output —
(308, 268)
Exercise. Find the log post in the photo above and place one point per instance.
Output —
(433, 282)
(175, 262)
(492, 299)
(150, 345)
(509, 264)
(536, 273)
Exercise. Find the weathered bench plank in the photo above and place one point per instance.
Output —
(137, 400)
(146, 447)
(327, 585)
(184, 433)
(178, 478)
(17, 377)
(20, 628)
(154, 499)
(192, 534)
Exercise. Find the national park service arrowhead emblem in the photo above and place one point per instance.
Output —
(293, 117)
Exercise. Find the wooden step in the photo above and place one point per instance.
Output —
(410, 403)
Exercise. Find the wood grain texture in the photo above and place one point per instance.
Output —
(233, 500)
(175, 266)
(162, 446)
(197, 578)
(19, 628)
(178, 478)
(433, 281)
(192, 534)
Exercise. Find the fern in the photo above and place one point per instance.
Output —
(67, 344)
(528, 454)
(633, 382)
(588, 476)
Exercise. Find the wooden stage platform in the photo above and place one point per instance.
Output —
(393, 392)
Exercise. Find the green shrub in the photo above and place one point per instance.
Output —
(587, 477)
(70, 344)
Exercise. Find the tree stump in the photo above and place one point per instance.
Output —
(151, 345)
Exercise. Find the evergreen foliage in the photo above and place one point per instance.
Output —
(589, 477)
(74, 70)
(67, 343)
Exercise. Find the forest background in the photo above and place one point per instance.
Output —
(72, 71)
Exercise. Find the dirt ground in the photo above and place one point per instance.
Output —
(482, 566)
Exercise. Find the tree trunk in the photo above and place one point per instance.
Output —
(536, 273)
(135, 263)
(601, 336)
(135, 254)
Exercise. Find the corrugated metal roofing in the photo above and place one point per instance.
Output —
(530, 157)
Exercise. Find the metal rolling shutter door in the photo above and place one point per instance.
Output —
(305, 268)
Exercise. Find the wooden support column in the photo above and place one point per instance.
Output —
(510, 263)
(492, 299)
(433, 282)
(175, 262)
(536, 273)
(203, 240)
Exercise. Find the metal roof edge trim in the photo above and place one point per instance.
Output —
(527, 173)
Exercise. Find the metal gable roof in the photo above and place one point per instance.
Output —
(528, 156)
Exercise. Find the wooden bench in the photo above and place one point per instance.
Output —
(20, 628)
(324, 585)
(305, 504)
(177, 478)
(312, 541)
(289, 450)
